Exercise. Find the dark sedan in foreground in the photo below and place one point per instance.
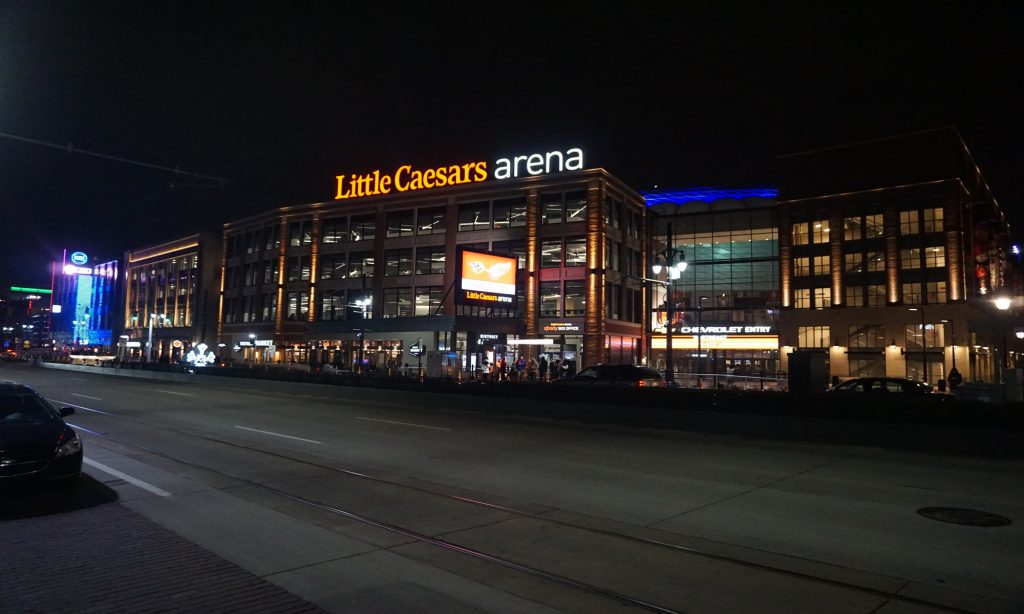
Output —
(35, 443)
(883, 385)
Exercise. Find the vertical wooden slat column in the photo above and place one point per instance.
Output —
(892, 253)
(785, 239)
(593, 319)
(223, 271)
(956, 267)
(836, 232)
(282, 264)
(532, 266)
(314, 258)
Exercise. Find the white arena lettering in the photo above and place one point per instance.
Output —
(538, 164)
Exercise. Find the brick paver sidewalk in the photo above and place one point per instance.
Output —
(110, 559)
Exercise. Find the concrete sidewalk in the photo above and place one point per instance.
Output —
(81, 551)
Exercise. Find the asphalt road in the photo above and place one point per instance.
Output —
(355, 501)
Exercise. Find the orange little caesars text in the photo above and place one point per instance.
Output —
(406, 178)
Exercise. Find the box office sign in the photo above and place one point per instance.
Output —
(486, 279)
(561, 327)
(406, 178)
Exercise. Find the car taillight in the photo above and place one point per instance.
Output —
(641, 383)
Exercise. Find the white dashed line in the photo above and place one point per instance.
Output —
(421, 426)
(85, 396)
(127, 478)
(76, 406)
(182, 394)
(245, 428)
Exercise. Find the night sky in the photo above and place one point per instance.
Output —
(277, 101)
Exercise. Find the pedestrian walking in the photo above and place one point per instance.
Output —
(555, 363)
(542, 367)
(531, 369)
(520, 368)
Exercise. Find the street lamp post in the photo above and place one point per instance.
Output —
(674, 263)
(362, 304)
(700, 321)
(252, 350)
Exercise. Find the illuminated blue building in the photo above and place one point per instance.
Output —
(84, 295)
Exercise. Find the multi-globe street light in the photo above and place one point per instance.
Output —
(673, 261)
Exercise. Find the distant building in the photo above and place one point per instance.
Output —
(175, 287)
(85, 303)
(890, 252)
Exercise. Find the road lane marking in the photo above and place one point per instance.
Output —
(85, 396)
(76, 406)
(245, 428)
(77, 379)
(183, 394)
(127, 478)
(422, 426)
(82, 428)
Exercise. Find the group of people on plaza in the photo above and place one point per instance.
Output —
(527, 369)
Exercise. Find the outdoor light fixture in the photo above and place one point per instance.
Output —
(1002, 302)
(1020, 334)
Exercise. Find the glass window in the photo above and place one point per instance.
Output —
(551, 253)
(821, 265)
(397, 262)
(400, 223)
(298, 268)
(910, 258)
(876, 295)
(273, 238)
(334, 231)
(868, 366)
(551, 299)
(364, 228)
(332, 305)
(575, 298)
(936, 292)
(874, 226)
(300, 233)
(813, 337)
(854, 296)
(933, 220)
(552, 209)
(575, 206)
(800, 234)
(875, 261)
(853, 229)
(909, 223)
(933, 336)
(428, 300)
(334, 267)
(474, 216)
(801, 267)
(867, 336)
(430, 221)
(360, 264)
(935, 257)
(912, 294)
(269, 307)
(822, 297)
(513, 248)
(576, 251)
(819, 232)
(430, 260)
(802, 298)
(853, 263)
(397, 303)
(298, 306)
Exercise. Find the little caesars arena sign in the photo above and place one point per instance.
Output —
(406, 178)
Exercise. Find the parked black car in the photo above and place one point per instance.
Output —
(618, 375)
(35, 443)
(883, 385)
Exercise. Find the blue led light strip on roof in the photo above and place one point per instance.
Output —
(706, 195)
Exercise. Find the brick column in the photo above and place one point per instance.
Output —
(593, 319)
(314, 264)
(532, 260)
(282, 266)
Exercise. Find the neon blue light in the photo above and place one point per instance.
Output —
(706, 195)
(83, 302)
(79, 258)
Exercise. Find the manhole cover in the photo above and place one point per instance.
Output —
(959, 515)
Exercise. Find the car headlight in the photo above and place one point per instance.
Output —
(69, 447)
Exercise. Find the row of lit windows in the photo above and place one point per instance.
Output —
(872, 336)
(870, 226)
(871, 295)
(911, 258)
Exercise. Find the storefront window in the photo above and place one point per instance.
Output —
(934, 336)
(867, 336)
(813, 337)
